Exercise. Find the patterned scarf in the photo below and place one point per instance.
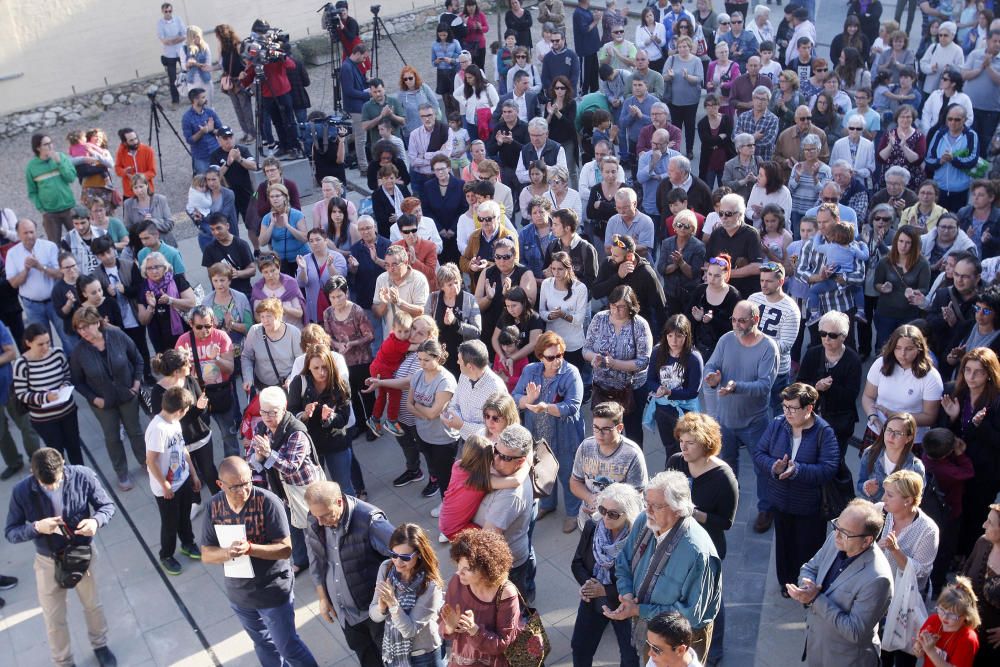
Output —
(396, 647)
(606, 551)
(166, 285)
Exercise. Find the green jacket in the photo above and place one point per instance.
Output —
(49, 184)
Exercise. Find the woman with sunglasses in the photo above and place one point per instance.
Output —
(972, 406)
(164, 299)
(835, 371)
(711, 305)
(550, 391)
(786, 99)
(560, 193)
(409, 593)
(431, 390)
(680, 262)
(499, 412)
(560, 112)
(982, 330)
(855, 149)
(593, 567)
(813, 85)
(412, 93)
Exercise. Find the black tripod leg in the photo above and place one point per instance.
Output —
(173, 129)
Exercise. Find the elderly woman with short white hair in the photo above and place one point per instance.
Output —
(807, 179)
(761, 26)
(855, 149)
(687, 560)
(283, 454)
(560, 194)
(618, 506)
(740, 172)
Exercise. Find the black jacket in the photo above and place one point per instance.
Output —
(327, 435)
(838, 404)
(699, 197)
(583, 567)
(109, 375)
(507, 154)
(647, 286)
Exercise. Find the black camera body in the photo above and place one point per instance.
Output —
(332, 22)
(268, 46)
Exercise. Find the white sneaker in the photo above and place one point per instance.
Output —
(436, 512)
(442, 538)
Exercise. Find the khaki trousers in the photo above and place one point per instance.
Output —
(52, 599)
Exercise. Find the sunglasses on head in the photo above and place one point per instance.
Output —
(504, 457)
(406, 558)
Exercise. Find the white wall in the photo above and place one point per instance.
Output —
(63, 47)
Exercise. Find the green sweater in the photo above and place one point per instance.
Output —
(49, 184)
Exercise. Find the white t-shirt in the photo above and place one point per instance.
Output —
(903, 392)
(166, 438)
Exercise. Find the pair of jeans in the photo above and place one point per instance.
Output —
(633, 420)
(666, 417)
(779, 384)
(365, 639)
(28, 435)
(747, 436)
(361, 142)
(588, 630)
(523, 576)
(380, 333)
(228, 423)
(430, 659)
(175, 519)
(56, 222)
(44, 312)
(338, 466)
(62, 434)
(884, 326)
(111, 420)
(275, 639)
(564, 450)
(200, 165)
(281, 113)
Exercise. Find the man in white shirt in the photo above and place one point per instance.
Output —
(476, 384)
(779, 319)
(171, 32)
(32, 269)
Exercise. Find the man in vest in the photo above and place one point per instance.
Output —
(347, 539)
(539, 147)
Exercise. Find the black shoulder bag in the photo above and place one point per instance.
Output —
(274, 366)
(72, 561)
(220, 395)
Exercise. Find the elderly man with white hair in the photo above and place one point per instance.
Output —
(539, 147)
(734, 237)
(946, 53)
(760, 122)
(853, 191)
(630, 221)
(855, 149)
(896, 192)
(761, 26)
(667, 538)
(653, 170)
(679, 175)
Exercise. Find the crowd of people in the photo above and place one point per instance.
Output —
(540, 285)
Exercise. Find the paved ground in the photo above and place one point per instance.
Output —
(160, 620)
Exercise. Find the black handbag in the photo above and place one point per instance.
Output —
(72, 564)
(220, 394)
(837, 492)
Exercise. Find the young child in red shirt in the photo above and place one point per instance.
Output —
(948, 636)
(508, 343)
(387, 361)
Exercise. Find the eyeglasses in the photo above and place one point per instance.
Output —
(956, 120)
(656, 507)
(948, 613)
(239, 487)
(728, 214)
(832, 335)
(843, 533)
(504, 457)
(521, 56)
(67, 267)
(406, 558)
(557, 180)
(737, 21)
(791, 409)
(606, 430)
(552, 357)
(412, 230)
(771, 267)
(426, 115)
(202, 327)
(503, 257)
(653, 648)
(855, 129)
(270, 413)
(894, 433)
(611, 514)
(740, 320)
(682, 225)
(983, 310)
(155, 267)
(830, 200)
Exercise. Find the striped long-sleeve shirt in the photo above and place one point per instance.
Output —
(780, 321)
(469, 399)
(840, 299)
(33, 380)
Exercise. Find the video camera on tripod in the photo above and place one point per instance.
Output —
(265, 45)
(332, 22)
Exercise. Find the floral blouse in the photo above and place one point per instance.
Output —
(633, 342)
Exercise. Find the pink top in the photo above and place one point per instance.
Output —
(511, 380)
(460, 504)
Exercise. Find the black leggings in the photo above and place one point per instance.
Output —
(204, 463)
(683, 117)
(362, 403)
(62, 434)
(439, 461)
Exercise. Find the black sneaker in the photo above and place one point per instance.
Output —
(105, 658)
(430, 490)
(191, 551)
(409, 477)
(7, 583)
(171, 565)
(12, 470)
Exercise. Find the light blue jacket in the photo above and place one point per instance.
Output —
(566, 393)
(879, 474)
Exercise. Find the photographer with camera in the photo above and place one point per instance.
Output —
(267, 50)
(60, 507)
(346, 29)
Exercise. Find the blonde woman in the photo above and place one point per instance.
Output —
(198, 62)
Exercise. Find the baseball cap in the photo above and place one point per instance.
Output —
(81, 211)
(224, 131)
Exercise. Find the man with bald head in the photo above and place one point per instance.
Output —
(263, 602)
(788, 149)
(347, 540)
(833, 193)
(642, 72)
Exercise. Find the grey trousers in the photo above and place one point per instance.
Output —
(8, 449)
(111, 421)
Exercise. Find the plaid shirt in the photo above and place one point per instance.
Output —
(839, 299)
(291, 461)
(766, 125)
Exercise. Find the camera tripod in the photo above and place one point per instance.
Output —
(379, 31)
(155, 113)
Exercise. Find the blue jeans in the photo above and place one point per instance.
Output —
(884, 326)
(338, 465)
(747, 436)
(228, 423)
(587, 633)
(780, 382)
(275, 640)
(199, 165)
(376, 323)
(44, 311)
(565, 453)
(432, 659)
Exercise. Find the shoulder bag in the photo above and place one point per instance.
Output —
(544, 469)
(281, 380)
(668, 84)
(837, 493)
(220, 394)
(531, 646)
(71, 562)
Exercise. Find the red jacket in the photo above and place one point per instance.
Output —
(276, 81)
(143, 162)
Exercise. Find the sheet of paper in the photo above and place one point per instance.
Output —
(65, 394)
(237, 568)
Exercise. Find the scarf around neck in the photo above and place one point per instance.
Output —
(166, 285)
(396, 647)
(606, 550)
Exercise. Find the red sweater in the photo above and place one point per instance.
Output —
(390, 355)
(276, 81)
(126, 165)
(960, 647)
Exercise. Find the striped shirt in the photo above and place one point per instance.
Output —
(840, 299)
(780, 321)
(409, 366)
(469, 399)
(33, 380)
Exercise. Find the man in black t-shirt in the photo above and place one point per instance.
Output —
(263, 601)
(230, 250)
(235, 163)
(740, 241)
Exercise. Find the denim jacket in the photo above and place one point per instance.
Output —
(566, 393)
(879, 474)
